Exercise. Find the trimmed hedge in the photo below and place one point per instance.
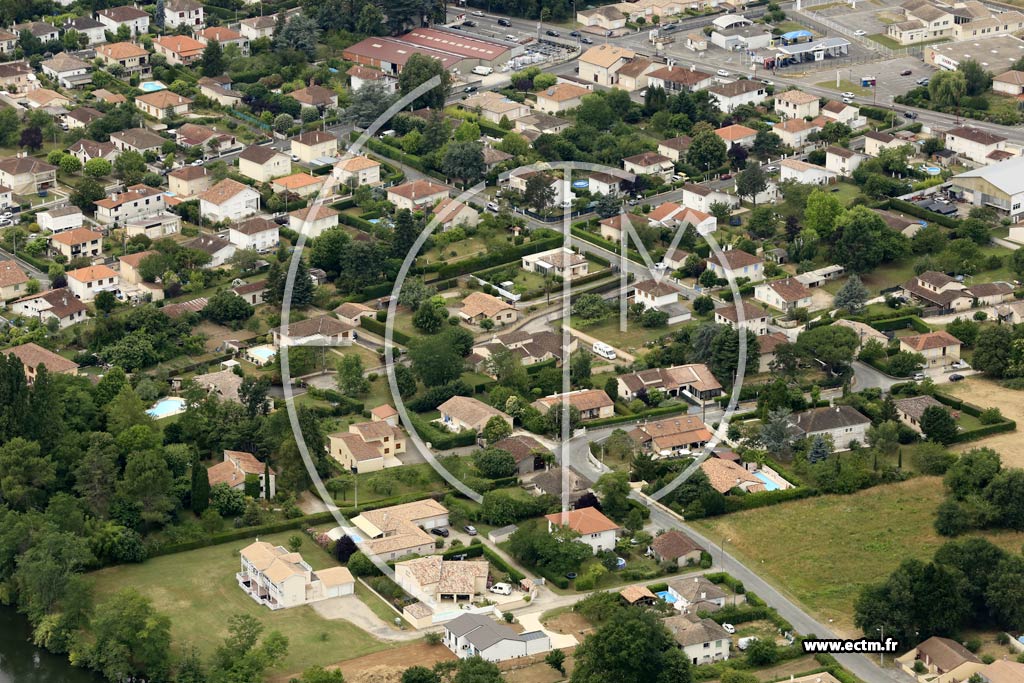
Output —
(500, 258)
(442, 441)
(925, 214)
(653, 412)
(501, 564)
(377, 327)
(599, 241)
(903, 322)
(1006, 425)
(283, 525)
(356, 222)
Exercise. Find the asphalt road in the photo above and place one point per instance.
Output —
(860, 666)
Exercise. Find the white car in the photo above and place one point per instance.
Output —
(847, 100)
(660, 265)
(478, 13)
(295, 158)
(723, 72)
(919, 376)
(860, 32)
(728, 628)
(961, 365)
(501, 589)
(847, 94)
(491, 206)
(197, 162)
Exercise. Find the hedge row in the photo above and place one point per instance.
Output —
(356, 222)
(925, 214)
(599, 241)
(653, 412)
(377, 327)
(303, 522)
(442, 440)
(501, 564)
(1006, 425)
(900, 323)
(499, 258)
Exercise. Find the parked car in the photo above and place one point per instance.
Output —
(961, 365)
(723, 72)
(860, 32)
(295, 157)
(504, 22)
(906, 72)
(771, 169)
(197, 162)
(469, 23)
(910, 115)
(728, 628)
(847, 100)
(586, 41)
(919, 376)
(847, 94)
(668, 27)
(923, 81)
(726, 176)
(574, 34)
(553, 33)
(470, 88)
(955, 377)
(501, 589)
(767, 81)
(439, 531)
(478, 13)
(491, 206)
(470, 529)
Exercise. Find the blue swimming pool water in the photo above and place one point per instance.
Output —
(768, 483)
(580, 183)
(165, 407)
(264, 354)
(666, 596)
(152, 86)
(356, 538)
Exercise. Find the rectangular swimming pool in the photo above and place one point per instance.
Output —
(165, 407)
(769, 485)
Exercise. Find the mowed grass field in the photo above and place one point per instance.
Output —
(822, 551)
(198, 591)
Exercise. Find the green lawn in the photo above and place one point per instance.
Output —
(888, 42)
(630, 341)
(198, 591)
(844, 86)
(822, 550)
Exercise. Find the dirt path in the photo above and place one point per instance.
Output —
(385, 666)
(352, 609)
(988, 394)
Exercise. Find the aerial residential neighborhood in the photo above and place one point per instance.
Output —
(643, 342)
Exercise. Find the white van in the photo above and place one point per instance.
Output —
(744, 643)
(483, 70)
(604, 350)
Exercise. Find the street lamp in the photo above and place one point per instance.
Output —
(881, 652)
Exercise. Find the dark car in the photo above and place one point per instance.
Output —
(726, 176)
(955, 377)
(470, 88)
(469, 22)
(552, 32)
(574, 34)
(439, 531)
(910, 115)
(906, 72)
(504, 22)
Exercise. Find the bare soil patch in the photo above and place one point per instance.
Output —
(985, 393)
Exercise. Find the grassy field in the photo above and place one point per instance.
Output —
(821, 551)
(630, 341)
(888, 42)
(988, 394)
(198, 591)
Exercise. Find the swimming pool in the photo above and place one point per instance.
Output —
(165, 407)
(152, 86)
(580, 183)
(931, 170)
(769, 485)
(264, 354)
(666, 596)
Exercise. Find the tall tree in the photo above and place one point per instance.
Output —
(464, 161)
(200, 487)
(751, 182)
(212, 63)
(130, 639)
(634, 647)
(418, 70)
(852, 295)
(707, 151)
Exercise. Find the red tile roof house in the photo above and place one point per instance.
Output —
(940, 349)
(234, 469)
(179, 49)
(594, 528)
(32, 356)
(592, 403)
(58, 304)
(736, 264)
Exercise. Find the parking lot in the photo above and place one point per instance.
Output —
(870, 17)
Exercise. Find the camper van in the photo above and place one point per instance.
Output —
(604, 350)
(483, 70)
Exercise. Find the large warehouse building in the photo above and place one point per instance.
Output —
(456, 52)
(995, 54)
(999, 185)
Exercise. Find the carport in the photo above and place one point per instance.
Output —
(825, 48)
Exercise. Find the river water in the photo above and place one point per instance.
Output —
(23, 662)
